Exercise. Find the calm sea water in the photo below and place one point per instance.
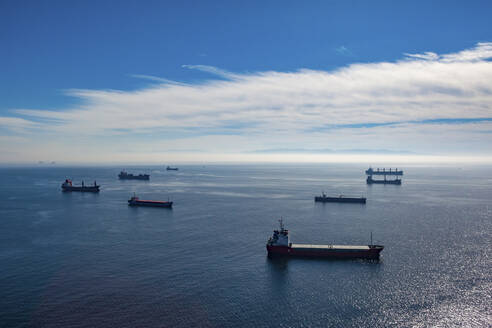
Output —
(87, 260)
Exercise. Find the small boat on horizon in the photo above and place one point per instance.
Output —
(171, 168)
(135, 201)
(68, 186)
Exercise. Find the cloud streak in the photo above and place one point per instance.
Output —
(387, 105)
(212, 70)
(156, 79)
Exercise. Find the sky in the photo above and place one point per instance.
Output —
(180, 81)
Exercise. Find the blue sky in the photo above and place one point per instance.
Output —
(75, 58)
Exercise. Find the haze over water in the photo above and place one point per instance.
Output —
(86, 260)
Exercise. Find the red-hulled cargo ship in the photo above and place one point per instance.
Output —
(135, 201)
(279, 244)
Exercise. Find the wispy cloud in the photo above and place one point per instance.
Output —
(155, 79)
(212, 70)
(483, 50)
(423, 102)
(424, 56)
(17, 124)
(344, 51)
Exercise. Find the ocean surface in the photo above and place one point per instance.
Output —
(89, 260)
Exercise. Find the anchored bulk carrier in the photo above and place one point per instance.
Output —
(67, 186)
(279, 245)
(128, 176)
(135, 201)
(383, 171)
(339, 199)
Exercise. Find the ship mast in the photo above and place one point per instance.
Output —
(281, 224)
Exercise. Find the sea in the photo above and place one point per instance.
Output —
(90, 260)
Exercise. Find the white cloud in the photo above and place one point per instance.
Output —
(482, 51)
(272, 109)
(17, 124)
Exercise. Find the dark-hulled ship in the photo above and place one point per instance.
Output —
(129, 176)
(279, 245)
(339, 199)
(68, 186)
(135, 201)
(383, 171)
(169, 168)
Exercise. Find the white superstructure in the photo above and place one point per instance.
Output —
(280, 237)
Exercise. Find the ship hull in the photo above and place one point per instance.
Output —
(151, 204)
(339, 200)
(334, 253)
(80, 189)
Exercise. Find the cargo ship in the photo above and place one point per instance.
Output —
(370, 180)
(384, 171)
(128, 176)
(67, 186)
(171, 168)
(135, 201)
(339, 199)
(279, 245)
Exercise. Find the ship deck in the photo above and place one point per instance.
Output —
(339, 247)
